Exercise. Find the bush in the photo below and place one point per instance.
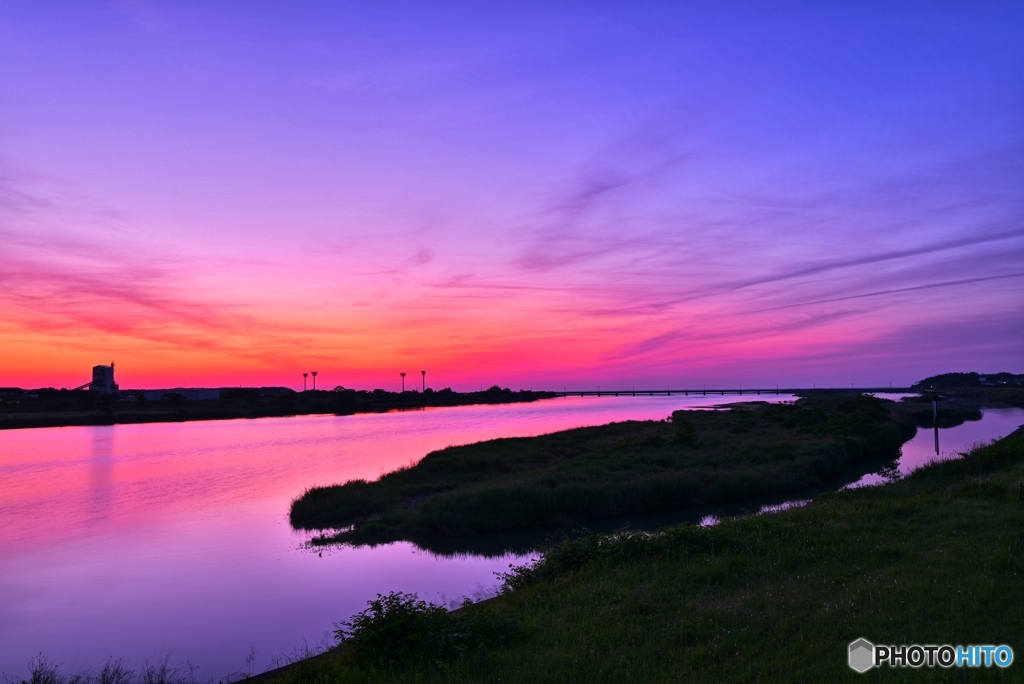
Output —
(686, 433)
(401, 627)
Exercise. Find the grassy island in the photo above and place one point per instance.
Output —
(749, 452)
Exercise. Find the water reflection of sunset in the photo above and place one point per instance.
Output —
(189, 521)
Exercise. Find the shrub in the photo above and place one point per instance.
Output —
(400, 627)
(686, 433)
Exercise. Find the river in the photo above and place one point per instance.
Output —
(154, 541)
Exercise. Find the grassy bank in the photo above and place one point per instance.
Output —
(935, 558)
(749, 452)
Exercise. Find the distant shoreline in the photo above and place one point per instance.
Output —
(253, 405)
(250, 403)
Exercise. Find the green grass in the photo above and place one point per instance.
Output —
(750, 452)
(935, 558)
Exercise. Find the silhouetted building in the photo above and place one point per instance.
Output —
(103, 380)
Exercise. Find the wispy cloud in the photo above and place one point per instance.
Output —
(547, 187)
(880, 293)
(77, 286)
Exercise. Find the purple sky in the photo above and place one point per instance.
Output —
(521, 194)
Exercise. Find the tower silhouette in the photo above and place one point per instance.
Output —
(403, 382)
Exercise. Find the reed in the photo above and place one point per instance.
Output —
(748, 453)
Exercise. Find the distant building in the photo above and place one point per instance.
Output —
(103, 380)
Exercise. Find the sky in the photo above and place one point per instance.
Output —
(524, 194)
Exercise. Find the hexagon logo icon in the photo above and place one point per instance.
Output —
(862, 655)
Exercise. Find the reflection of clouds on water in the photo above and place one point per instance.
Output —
(100, 494)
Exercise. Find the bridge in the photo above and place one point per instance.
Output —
(719, 391)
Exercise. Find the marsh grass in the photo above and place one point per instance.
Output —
(751, 452)
(936, 557)
(947, 415)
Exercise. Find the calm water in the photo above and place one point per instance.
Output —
(995, 423)
(146, 541)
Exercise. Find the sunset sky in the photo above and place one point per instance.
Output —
(524, 194)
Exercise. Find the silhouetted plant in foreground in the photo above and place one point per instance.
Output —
(42, 671)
